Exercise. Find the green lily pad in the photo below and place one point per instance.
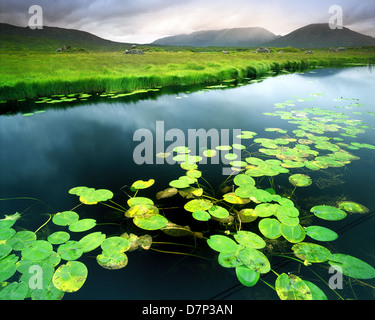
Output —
(90, 196)
(112, 260)
(218, 212)
(6, 233)
(222, 244)
(70, 277)
(8, 267)
(244, 180)
(150, 222)
(247, 215)
(140, 210)
(21, 240)
(58, 237)
(328, 213)
(293, 234)
(300, 180)
(291, 287)
(70, 250)
(39, 250)
(201, 215)
(352, 207)
(116, 244)
(270, 228)
(264, 210)
(209, 153)
(91, 241)
(351, 266)
(321, 233)
(249, 239)
(311, 252)
(234, 199)
(140, 184)
(316, 292)
(82, 225)
(198, 204)
(139, 201)
(247, 276)
(65, 218)
(179, 184)
(254, 260)
(4, 250)
(14, 291)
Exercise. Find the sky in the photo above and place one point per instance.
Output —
(143, 21)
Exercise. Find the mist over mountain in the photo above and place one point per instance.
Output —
(236, 37)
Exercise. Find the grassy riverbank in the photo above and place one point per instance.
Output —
(36, 74)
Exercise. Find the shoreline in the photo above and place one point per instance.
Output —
(157, 70)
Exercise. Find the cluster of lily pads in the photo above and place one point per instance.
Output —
(241, 215)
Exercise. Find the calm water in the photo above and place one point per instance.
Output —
(45, 155)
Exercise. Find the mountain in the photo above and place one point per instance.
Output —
(321, 35)
(21, 38)
(236, 37)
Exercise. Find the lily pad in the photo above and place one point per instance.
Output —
(291, 287)
(40, 250)
(150, 222)
(8, 267)
(179, 184)
(65, 218)
(198, 204)
(247, 276)
(218, 212)
(243, 180)
(234, 199)
(249, 239)
(58, 237)
(254, 260)
(141, 209)
(266, 209)
(351, 266)
(167, 193)
(116, 244)
(140, 184)
(201, 215)
(270, 228)
(139, 201)
(311, 252)
(82, 225)
(328, 213)
(247, 215)
(321, 233)
(91, 241)
(70, 250)
(14, 291)
(300, 180)
(70, 277)
(112, 260)
(293, 234)
(352, 207)
(21, 240)
(222, 244)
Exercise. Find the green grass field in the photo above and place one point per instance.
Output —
(32, 74)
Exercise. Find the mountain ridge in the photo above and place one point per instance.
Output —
(233, 37)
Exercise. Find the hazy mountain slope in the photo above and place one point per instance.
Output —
(236, 37)
(320, 35)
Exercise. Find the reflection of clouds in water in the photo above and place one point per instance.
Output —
(94, 144)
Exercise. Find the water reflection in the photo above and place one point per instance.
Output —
(45, 155)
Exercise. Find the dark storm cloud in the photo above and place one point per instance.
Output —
(146, 20)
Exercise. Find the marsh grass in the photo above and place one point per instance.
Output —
(35, 74)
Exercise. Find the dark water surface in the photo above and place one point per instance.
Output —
(45, 155)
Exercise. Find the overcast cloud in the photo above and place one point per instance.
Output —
(143, 21)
